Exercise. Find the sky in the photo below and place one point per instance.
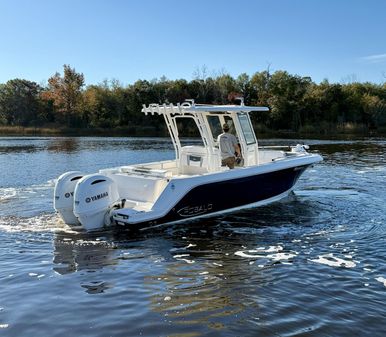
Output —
(342, 41)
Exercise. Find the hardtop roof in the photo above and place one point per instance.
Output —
(187, 107)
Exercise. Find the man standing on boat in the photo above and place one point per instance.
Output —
(228, 147)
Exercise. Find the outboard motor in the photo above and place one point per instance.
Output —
(94, 195)
(64, 196)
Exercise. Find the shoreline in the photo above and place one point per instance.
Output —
(148, 131)
(20, 131)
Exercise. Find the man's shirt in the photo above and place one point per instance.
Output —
(227, 143)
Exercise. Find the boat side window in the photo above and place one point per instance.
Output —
(246, 127)
(215, 126)
(188, 131)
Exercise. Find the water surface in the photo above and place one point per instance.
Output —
(311, 265)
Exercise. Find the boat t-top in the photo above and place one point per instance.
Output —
(193, 184)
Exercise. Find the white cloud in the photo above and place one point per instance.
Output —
(377, 58)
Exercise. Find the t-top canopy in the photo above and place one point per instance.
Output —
(191, 107)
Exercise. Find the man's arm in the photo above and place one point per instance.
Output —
(237, 147)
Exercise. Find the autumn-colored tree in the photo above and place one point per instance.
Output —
(66, 94)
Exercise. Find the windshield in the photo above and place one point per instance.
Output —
(216, 124)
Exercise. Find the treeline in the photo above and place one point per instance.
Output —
(296, 103)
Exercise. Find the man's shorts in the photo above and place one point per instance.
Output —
(230, 162)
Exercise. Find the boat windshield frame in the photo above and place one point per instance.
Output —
(200, 113)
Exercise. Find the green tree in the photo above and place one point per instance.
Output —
(325, 102)
(19, 103)
(176, 91)
(286, 99)
(104, 105)
(260, 86)
(225, 85)
(244, 87)
(375, 110)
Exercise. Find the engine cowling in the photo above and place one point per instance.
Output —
(64, 196)
(94, 195)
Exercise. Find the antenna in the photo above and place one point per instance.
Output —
(191, 101)
(241, 98)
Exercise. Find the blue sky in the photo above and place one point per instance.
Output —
(338, 40)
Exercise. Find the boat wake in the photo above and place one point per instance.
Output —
(26, 201)
(29, 209)
(7, 194)
(324, 192)
(40, 223)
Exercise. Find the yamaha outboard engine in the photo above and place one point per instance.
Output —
(64, 196)
(94, 195)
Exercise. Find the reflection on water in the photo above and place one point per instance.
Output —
(67, 145)
(17, 148)
(312, 265)
(73, 253)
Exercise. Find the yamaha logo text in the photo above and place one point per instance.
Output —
(97, 197)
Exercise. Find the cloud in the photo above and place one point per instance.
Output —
(377, 58)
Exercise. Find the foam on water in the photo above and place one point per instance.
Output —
(184, 257)
(7, 193)
(273, 253)
(328, 193)
(40, 223)
(382, 280)
(333, 261)
(26, 201)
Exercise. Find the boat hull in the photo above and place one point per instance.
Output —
(225, 195)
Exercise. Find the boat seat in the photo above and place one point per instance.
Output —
(139, 188)
(195, 160)
(146, 171)
(192, 164)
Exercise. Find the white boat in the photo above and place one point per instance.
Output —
(194, 184)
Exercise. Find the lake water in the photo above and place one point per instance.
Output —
(311, 265)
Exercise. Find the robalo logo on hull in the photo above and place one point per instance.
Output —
(189, 211)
